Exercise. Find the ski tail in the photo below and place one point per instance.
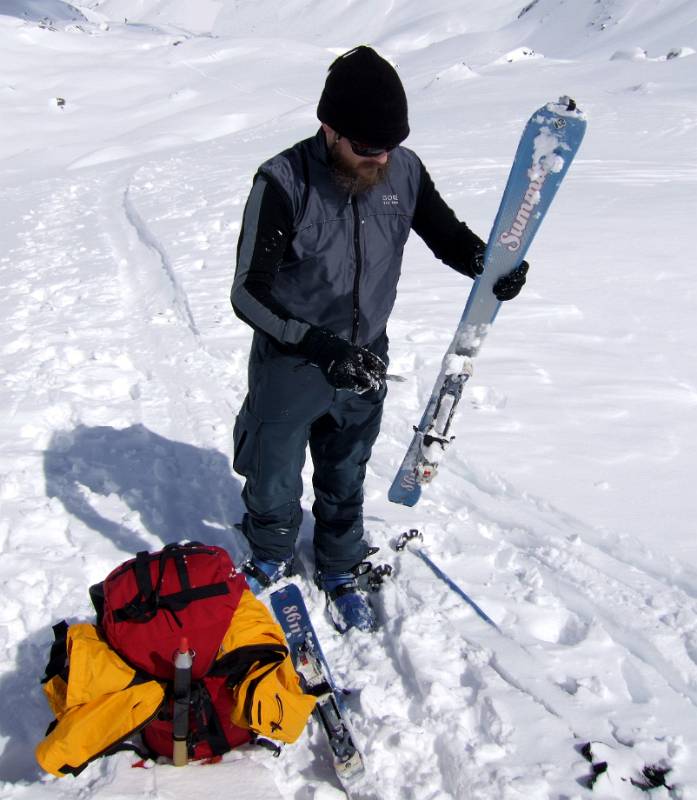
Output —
(291, 612)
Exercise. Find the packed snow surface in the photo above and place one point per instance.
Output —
(565, 507)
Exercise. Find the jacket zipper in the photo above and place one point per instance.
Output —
(359, 267)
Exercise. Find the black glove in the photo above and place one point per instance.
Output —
(508, 286)
(345, 365)
(477, 263)
(472, 265)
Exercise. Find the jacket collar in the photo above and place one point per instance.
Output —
(318, 147)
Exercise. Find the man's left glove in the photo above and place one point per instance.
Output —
(345, 365)
(477, 263)
(508, 286)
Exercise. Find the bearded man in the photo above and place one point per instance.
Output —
(318, 261)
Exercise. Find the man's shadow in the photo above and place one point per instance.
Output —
(177, 491)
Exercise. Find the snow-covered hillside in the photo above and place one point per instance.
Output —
(130, 132)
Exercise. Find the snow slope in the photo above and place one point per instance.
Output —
(566, 508)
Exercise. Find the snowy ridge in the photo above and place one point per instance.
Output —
(566, 508)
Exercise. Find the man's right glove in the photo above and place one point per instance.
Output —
(508, 286)
(345, 365)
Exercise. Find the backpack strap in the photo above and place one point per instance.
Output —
(58, 656)
(267, 744)
(236, 664)
(141, 568)
(208, 722)
(122, 747)
(96, 592)
(149, 599)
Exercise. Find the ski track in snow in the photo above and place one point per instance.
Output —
(123, 368)
(178, 302)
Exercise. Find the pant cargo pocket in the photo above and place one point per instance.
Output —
(246, 446)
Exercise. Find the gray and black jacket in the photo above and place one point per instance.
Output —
(309, 254)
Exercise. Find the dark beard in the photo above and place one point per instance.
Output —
(352, 180)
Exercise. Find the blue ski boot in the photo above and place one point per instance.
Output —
(348, 606)
(261, 573)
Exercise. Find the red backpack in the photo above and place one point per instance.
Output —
(107, 682)
(145, 606)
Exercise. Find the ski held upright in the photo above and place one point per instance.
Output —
(550, 141)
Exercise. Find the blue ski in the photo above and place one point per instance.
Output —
(292, 615)
(547, 147)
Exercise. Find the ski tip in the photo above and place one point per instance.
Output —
(566, 106)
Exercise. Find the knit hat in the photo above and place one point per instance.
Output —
(364, 100)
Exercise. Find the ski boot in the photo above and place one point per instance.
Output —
(262, 573)
(347, 593)
(347, 605)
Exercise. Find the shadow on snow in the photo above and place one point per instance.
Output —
(179, 491)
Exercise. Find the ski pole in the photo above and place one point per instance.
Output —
(182, 696)
(405, 542)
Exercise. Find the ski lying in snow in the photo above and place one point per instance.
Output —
(291, 612)
(547, 147)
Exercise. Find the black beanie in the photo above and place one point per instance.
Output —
(364, 100)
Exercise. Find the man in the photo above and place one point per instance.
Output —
(319, 257)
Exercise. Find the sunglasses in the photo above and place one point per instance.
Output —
(366, 151)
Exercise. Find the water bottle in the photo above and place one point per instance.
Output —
(182, 695)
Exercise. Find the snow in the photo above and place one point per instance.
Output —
(544, 159)
(565, 507)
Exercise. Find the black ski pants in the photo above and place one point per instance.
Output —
(290, 404)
